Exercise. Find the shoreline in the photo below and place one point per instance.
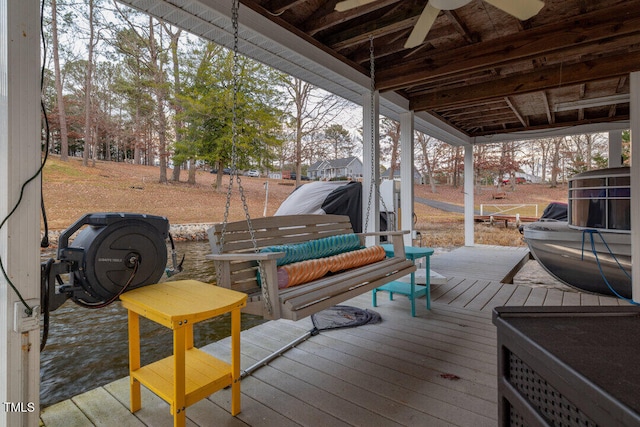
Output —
(532, 274)
(179, 232)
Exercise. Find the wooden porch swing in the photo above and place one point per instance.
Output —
(247, 253)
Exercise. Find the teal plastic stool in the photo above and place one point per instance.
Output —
(411, 290)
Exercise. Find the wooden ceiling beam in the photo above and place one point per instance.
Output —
(568, 56)
(560, 124)
(473, 112)
(461, 27)
(279, 6)
(547, 108)
(544, 78)
(569, 35)
(381, 48)
(398, 20)
(361, 56)
(515, 111)
(321, 21)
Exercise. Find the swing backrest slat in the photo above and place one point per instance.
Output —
(271, 231)
(237, 264)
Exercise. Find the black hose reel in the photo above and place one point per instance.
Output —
(114, 253)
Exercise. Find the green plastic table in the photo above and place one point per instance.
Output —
(411, 290)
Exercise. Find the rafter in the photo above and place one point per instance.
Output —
(575, 36)
(322, 21)
(400, 19)
(537, 80)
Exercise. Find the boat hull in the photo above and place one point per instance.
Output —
(566, 253)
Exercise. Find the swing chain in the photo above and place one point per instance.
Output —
(234, 157)
(234, 101)
(372, 90)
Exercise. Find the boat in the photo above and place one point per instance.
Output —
(591, 249)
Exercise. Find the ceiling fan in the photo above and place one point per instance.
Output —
(522, 9)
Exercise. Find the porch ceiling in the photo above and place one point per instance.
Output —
(480, 72)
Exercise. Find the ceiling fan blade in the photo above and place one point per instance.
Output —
(522, 9)
(341, 6)
(422, 27)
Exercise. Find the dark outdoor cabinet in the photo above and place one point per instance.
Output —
(568, 366)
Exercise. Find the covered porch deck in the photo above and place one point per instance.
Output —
(436, 369)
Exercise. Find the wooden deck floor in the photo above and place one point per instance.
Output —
(436, 369)
(482, 262)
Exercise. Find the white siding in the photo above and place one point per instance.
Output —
(19, 160)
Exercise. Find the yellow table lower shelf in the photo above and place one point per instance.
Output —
(204, 375)
(190, 374)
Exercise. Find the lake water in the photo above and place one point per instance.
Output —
(89, 348)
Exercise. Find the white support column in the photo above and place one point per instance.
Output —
(20, 234)
(615, 149)
(634, 81)
(371, 157)
(406, 175)
(468, 196)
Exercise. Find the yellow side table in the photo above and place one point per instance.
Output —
(190, 374)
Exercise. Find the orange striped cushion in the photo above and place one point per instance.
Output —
(306, 271)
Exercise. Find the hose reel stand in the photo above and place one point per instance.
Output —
(116, 252)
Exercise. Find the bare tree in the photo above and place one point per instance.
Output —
(423, 143)
(310, 110)
(177, 86)
(62, 117)
(545, 146)
(87, 88)
(555, 160)
(390, 132)
(157, 70)
(457, 163)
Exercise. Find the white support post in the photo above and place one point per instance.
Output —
(615, 149)
(406, 175)
(371, 156)
(468, 196)
(634, 81)
(20, 234)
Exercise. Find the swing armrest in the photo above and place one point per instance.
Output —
(384, 233)
(269, 280)
(396, 239)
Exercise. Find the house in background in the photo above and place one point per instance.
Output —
(396, 175)
(349, 167)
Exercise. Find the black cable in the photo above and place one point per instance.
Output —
(81, 303)
(28, 308)
(45, 303)
(44, 243)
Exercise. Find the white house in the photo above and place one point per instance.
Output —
(349, 167)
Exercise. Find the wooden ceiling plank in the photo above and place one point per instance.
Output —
(321, 21)
(277, 7)
(399, 20)
(569, 123)
(461, 27)
(472, 112)
(539, 79)
(567, 35)
(584, 53)
(380, 49)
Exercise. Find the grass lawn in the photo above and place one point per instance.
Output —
(71, 190)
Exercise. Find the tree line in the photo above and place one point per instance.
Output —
(122, 86)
